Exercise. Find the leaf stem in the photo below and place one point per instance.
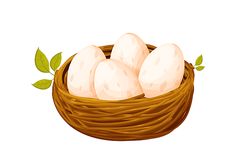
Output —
(51, 73)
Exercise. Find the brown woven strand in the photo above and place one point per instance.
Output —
(136, 118)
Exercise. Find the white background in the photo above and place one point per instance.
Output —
(29, 122)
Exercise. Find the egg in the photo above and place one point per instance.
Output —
(162, 71)
(130, 50)
(80, 79)
(115, 81)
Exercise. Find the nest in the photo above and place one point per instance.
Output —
(137, 118)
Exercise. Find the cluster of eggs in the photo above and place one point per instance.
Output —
(130, 71)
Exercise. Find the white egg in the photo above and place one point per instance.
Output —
(130, 50)
(162, 71)
(115, 81)
(80, 79)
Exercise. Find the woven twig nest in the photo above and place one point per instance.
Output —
(137, 118)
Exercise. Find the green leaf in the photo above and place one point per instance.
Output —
(43, 84)
(200, 68)
(55, 61)
(41, 61)
(199, 60)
